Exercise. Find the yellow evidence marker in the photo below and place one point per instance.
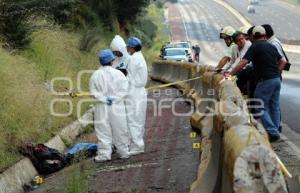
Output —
(39, 180)
(196, 145)
(193, 135)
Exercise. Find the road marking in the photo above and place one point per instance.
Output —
(246, 22)
(184, 25)
(138, 165)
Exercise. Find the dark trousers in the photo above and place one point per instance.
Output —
(246, 82)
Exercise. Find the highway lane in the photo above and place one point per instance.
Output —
(290, 94)
(203, 20)
(285, 18)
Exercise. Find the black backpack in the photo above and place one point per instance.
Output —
(46, 160)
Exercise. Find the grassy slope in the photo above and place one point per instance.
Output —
(24, 94)
(294, 2)
(22, 99)
(25, 78)
(155, 15)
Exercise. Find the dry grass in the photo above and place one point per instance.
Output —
(24, 90)
(23, 104)
(295, 2)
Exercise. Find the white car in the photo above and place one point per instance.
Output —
(181, 44)
(251, 9)
(177, 54)
(253, 2)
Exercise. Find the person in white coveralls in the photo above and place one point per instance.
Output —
(110, 88)
(118, 47)
(136, 102)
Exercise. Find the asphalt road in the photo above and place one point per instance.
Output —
(169, 164)
(203, 20)
(285, 18)
(290, 94)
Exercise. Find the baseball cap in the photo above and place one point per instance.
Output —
(106, 56)
(133, 42)
(258, 31)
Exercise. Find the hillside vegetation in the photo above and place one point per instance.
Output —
(41, 41)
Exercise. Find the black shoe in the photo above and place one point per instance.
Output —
(274, 138)
(280, 129)
(114, 149)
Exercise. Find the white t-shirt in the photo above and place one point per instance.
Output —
(237, 55)
(276, 42)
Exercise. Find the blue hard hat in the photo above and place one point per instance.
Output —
(133, 42)
(106, 56)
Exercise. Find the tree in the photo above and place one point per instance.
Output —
(128, 11)
(105, 10)
(14, 14)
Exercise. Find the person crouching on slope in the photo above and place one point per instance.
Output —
(110, 87)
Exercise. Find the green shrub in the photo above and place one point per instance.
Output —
(89, 39)
(13, 24)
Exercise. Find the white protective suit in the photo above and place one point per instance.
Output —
(136, 102)
(110, 121)
(118, 44)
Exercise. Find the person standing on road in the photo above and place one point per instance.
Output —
(277, 44)
(163, 51)
(250, 34)
(238, 52)
(197, 50)
(226, 34)
(118, 47)
(136, 103)
(244, 31)
(273, 39)
(110, 87)
(267, 64)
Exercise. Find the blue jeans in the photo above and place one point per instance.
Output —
(269, 91)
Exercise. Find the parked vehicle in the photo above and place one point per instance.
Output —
(181, 44)
(253, 2)
(177, 54)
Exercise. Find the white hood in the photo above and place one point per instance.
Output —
(118, 44)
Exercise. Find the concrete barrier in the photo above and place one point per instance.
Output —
(72, 131)
(13, 179)
(236, 155)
